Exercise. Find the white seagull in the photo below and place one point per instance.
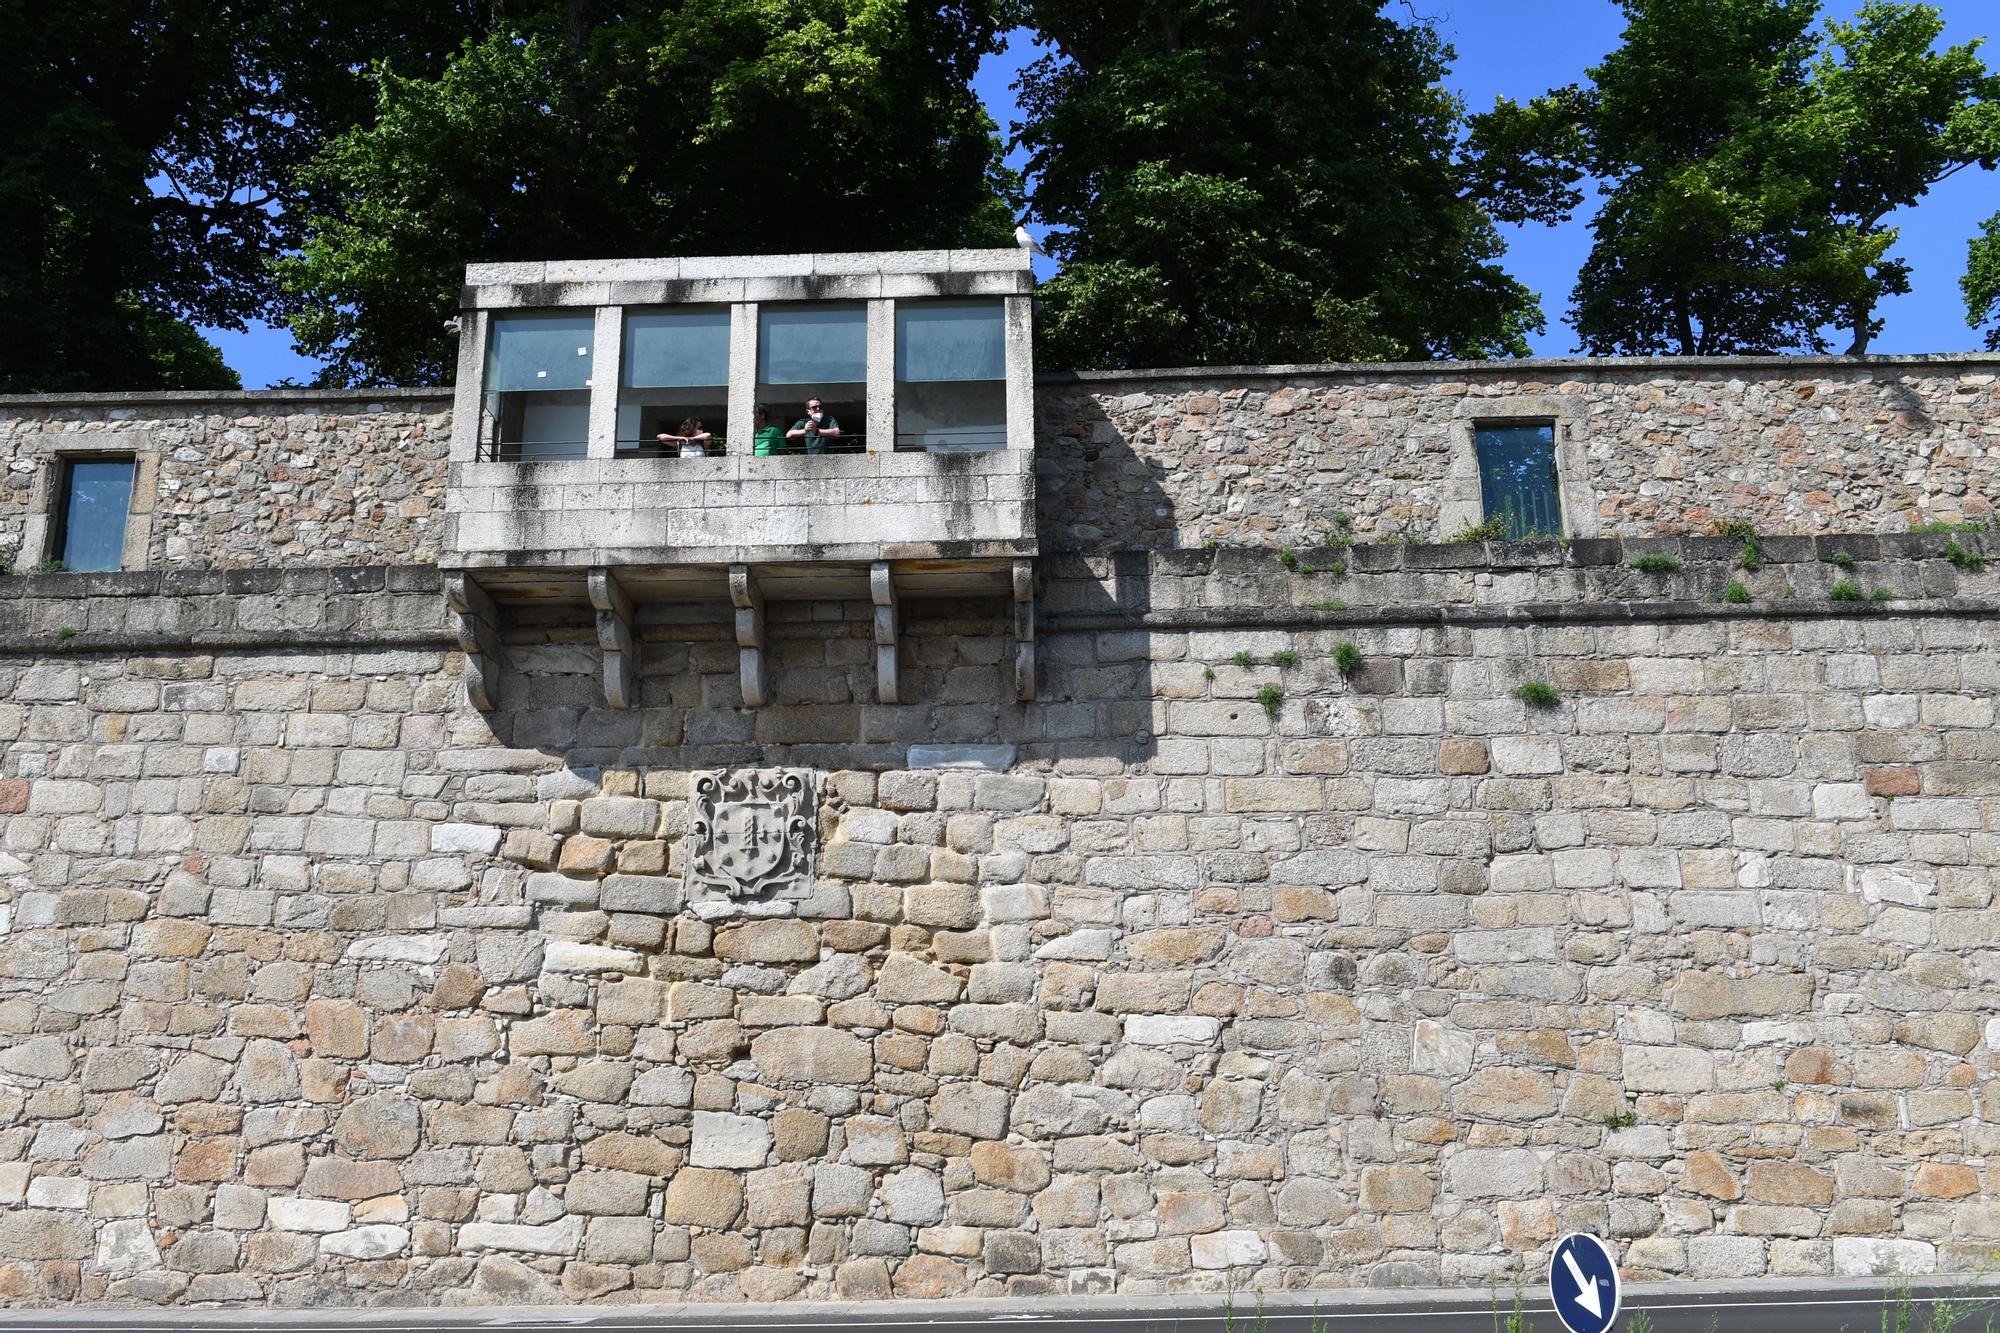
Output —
(1028, 243)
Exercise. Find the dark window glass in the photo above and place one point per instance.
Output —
(538, 372)
(96, 496)
(1517, 479)
(951, 376)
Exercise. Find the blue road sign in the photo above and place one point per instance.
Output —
(1583, 1283)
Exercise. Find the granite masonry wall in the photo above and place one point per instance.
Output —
(318, 987)
(1280, 456)
(232, 481)
(1268, 456)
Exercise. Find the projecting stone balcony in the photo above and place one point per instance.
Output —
(806, 427)
(658, 518)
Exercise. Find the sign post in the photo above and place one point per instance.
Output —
(1583, 1283)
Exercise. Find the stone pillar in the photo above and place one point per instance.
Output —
(465, 392)
(742, 376)
(881, 425)
(1020, 348)
(607, 356)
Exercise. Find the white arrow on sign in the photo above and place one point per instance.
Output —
(1586, 1290)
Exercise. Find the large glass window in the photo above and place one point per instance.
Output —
(675, 380)
(951, 376)
(816, 351)
(1517, 478)
(537, 400)
(96, 497)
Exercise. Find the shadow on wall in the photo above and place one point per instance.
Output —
(1093, 492)
(956, 669)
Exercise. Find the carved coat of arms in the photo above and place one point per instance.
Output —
(750, 835)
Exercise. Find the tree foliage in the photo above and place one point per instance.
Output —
(1981, 282)
(1748, 166)
(146, 171)
(1240, 180)
(701, 126)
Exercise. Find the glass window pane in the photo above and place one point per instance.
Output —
(952, 418)
(676, 348)
(530, 353)
(949, 340)
(99, 494)
(825, 344)
(1517, 478)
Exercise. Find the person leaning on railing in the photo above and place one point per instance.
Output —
(693, 440)
(815, 428)
(769, 439)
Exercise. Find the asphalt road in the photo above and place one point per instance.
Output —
(1833, 1308)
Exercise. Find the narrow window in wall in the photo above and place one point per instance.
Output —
(676, 372)
(537, 400)
(951, 376)
(1517, 478)
(816, 351)
(90, 517)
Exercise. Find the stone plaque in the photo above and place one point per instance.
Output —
(750, 839)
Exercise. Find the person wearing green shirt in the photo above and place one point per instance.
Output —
(768, 439)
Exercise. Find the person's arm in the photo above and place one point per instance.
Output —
(701, 437)
(796, 433)
(831, 430)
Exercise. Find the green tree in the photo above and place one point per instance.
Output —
(1241, 181)
(1748, 167)
(1888, 117)
(1695, 247)
(1981, 282)
(145, 173)
(585, 130)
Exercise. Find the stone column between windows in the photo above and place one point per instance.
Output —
(466, 391)
(742, 378)
(1020, 367)
(607, 357)
(881, 423)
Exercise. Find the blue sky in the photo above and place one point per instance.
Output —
(1519, 48)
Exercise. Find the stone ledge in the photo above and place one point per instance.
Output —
(1524, 368)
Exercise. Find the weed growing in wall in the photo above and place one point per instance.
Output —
(1538, 694)
(1656, 564)
(1346, 657)
(1736, 594)
(1244, 660)
(1271, 696)
(1285, 657)
(1847, 590)
(1960, 556)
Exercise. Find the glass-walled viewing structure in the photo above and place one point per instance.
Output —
(924, 352)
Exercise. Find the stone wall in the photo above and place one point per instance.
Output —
(1267, 456)
(317, 987)
(1280, 456)
(286, 478)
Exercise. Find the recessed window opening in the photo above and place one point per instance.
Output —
(816, 353)
(91, 512)
(537, 401)
(675, 382)
(951, 376)
(1517, 478)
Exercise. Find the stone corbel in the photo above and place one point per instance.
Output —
(1024, 629)
(478, 625)
(748, 599)
(614, 637)
(882, 588)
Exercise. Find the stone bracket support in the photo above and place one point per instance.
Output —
(477, 623)
(888, 615)
(1024, 629)
(614, 636)
(748, 599)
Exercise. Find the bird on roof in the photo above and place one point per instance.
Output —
(1028, 243)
